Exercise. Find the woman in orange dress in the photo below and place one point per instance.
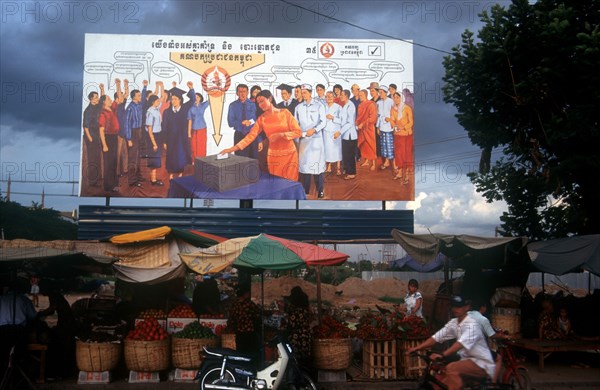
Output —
(280, 128)
(402, 123)
(365, 122)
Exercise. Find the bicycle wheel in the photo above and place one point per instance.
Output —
(519, 379)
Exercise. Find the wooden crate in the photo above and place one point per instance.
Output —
(410, 366)
(379, 359)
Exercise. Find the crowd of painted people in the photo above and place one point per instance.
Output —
(300, 138)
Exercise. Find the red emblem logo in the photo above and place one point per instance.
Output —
(216, 81)
(327, 50)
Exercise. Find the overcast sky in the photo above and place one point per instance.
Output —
(41, 51)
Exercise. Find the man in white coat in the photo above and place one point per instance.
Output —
(311, 117)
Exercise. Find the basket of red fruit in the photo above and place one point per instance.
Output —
(332, 344)
(147, 347)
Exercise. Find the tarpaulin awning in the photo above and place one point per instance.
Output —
(143, 259)
(465, 250)
(564, 255)
(194, 237)
(434, 265)
(262, 252)
(158, 233)
(139, 257)
(63, 260)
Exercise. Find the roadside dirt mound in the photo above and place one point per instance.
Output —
(353, 292)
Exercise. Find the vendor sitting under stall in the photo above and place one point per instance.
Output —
(61, 351)
(206, 297)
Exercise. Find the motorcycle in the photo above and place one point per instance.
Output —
(227, 369)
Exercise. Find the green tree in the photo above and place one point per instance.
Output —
(529, 85)
(34, 223)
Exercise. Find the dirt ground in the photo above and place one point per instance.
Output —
(352, 294)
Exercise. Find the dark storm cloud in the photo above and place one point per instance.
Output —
(41, 85)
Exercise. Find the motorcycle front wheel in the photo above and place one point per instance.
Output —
(213, 376)
(305, 382)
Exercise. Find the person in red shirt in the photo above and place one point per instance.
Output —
(109, 133)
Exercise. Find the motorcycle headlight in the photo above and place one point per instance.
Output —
(261, 384)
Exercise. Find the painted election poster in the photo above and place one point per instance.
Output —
(247, 118)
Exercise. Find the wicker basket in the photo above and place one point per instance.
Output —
(332, 354)
(228, 340)
(510, 323)
(187, 353)
(147, 356)
(97, 357)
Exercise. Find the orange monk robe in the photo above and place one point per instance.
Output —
(281, 128)
(367, 116)
(403, 137)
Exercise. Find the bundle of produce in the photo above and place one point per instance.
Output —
(216, 315)
(195, 330)
(97, 337)
(153, 313)
(375, 326)
(332, 328)
(411, 327)
(182, 311)
(147, 330)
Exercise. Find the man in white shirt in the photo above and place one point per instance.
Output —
(475, 356)
(384, 127)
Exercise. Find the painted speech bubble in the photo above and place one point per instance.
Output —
(320, 66)
(386, 66)
(260, 77)
(347, 74)
(284, 69)
(134, 68)
(139, 56)
(133, 56)
(105, 68)
(166, 69)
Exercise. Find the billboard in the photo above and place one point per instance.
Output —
(247, 118)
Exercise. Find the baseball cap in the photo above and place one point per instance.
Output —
(306, 86)
(458, 301)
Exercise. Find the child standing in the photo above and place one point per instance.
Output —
(35, 289)
(414, 299)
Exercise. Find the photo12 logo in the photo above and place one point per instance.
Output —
(69, 11)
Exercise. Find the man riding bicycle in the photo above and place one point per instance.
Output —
(471, 345)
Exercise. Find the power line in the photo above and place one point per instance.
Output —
(447, 139)
(364, 28)
(39, 194)
(41, 181)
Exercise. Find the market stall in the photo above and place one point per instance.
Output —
(256, 254)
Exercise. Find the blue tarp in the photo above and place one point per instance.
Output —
(408, 261)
